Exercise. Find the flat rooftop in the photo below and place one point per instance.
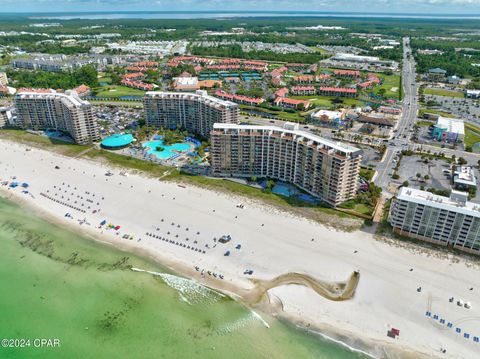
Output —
(186, 95)
(453, 125)
(432, 200)
(339, 146)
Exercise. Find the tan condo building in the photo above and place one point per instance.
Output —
(325, 169)
(64, 112)
(194, 112)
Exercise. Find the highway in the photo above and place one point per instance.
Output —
(401, 137)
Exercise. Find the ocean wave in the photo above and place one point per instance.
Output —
(190, 291)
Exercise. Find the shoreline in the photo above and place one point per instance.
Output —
(285, 302)
(331, 334)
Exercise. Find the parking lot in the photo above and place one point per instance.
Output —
(435, 169)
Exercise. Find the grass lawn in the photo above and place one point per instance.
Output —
(359, 208)
(21, 136)
(423, 111)
(389, 82)
(127, 162)
(472, 134)
(118, 91)
(117, 103)
(325, 101)
(105, 79)
(424, 123)
(442, 92)
(367, 173)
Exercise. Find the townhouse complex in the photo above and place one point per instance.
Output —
(451, 221)
(57, 111)
(194, 112)
(325, 169)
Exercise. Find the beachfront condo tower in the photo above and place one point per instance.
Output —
(194, 112)
(450, 221)
(64, 112)
(325, 169)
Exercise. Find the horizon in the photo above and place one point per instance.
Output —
(387, 7)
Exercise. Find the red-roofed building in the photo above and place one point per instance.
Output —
(245, 100)
(366, 84)
(137, 85)
(304, 79)
(323, 78)
(148, 64)
(291, 103)
(133, 76)
(283, 92)
(347, 73)
(303, 90)
(82, 90)
(389, 110)
(337, 91)
(374, 78)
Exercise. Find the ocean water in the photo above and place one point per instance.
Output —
(112, 15)
(58, 285)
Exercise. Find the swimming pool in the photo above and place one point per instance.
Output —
(168, 151)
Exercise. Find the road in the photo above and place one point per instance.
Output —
(401, 137)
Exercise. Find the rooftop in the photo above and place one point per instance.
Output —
(432, 200)
(453, 125)
(200, 94)
(465, 176)
(292, 129)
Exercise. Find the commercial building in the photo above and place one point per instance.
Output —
(329, 118)
(194, 112)
(464, 178)
(325, 169)
(436, 74)
(449, 130)
(186, 84)
(475, 94)
(450, 221)
(64, 112)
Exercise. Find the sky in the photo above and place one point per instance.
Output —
(383, 6)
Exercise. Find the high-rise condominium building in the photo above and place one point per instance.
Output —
(194, 112)
(453, 221)
(64, 112)
(325, 169)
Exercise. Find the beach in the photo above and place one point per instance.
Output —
(272, 243)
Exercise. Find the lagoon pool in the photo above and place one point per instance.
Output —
(168, 151)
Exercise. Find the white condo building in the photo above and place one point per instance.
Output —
(64, 112)
(451, 221)
(325, 169)
(194, 112)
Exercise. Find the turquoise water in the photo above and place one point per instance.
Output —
(56, 284)
(117, 140)
(168, 151)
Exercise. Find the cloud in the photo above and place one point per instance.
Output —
(467, 6)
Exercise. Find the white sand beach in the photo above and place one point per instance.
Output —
(272, 243)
